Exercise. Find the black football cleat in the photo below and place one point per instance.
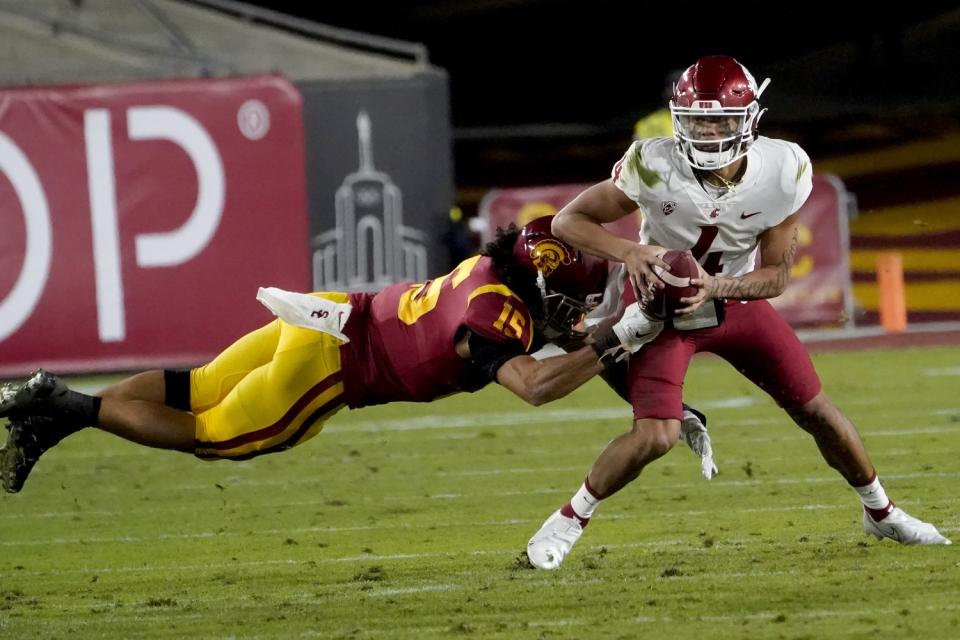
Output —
(41, 393)
(27, 440)
(46, 395)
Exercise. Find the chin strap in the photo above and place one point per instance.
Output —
(542, 285)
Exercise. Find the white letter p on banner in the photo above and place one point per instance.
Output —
(180, 245)
(152, 249)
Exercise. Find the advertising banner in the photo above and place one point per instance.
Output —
(138, 220)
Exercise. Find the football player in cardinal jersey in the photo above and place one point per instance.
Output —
(725, 193)
(275, 387)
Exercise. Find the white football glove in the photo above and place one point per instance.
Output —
(694, 433)
(631, 332)
(634, 329)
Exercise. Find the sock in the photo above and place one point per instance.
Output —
(875, 499)
(84, 409)
(96, 411)
(582, 504)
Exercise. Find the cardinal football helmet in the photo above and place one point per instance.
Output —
(715, 111)
(571, 282)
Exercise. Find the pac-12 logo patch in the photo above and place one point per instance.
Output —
(547, 255)
(668, 207)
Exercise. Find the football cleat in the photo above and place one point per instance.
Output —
(27, 440)
(42, 390)
(551, 544)
(46, 395)
(903, 528)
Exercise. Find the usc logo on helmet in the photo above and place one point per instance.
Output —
(547, 255)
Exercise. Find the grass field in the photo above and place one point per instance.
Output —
(405, 521)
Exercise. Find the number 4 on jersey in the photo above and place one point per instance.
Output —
(708, 234)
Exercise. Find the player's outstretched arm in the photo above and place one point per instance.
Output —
(540, 381)
(580, 224)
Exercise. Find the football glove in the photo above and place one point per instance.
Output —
(694, 433)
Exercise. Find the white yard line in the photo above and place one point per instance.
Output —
(719, 430)
(420, 589)
(478, 421)
(429, 421)
(246, 533)
(138, 611)
(691, 545)
(946, 371)
(788, 614)
(697, 484)
(238, 483)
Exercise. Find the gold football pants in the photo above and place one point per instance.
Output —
(270, 390)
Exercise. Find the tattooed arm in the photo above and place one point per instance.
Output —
(778, 247)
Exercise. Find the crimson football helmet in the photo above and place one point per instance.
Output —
(571, 282)
(715, 112)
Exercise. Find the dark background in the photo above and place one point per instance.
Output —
(548, 91)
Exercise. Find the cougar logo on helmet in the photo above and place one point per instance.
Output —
(547, 255)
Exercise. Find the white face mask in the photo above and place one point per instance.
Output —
(710, 136)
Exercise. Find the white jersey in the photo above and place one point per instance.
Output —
(721, 227)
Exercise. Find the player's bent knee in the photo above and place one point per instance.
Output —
(814, 413)
(819, 404)
(657, 436)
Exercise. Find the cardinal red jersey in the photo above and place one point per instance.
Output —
(403, 339)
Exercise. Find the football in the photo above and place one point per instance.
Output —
(676, 284)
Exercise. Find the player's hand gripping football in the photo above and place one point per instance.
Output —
(704, 285)
(632, 331)
(640, 262)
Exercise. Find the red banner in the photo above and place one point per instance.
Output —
(819, 292)
(138, 220)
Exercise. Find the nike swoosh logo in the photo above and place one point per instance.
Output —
(744, 215)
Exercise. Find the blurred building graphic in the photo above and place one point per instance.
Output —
(370, 247)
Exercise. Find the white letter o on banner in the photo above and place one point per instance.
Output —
(17, 307)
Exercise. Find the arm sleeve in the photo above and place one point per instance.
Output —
(488, 356)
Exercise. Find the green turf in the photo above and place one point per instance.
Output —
(404, 521)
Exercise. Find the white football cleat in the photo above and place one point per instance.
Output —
(551, 544)
(903, 528)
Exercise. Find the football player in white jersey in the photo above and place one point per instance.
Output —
(720, 190)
